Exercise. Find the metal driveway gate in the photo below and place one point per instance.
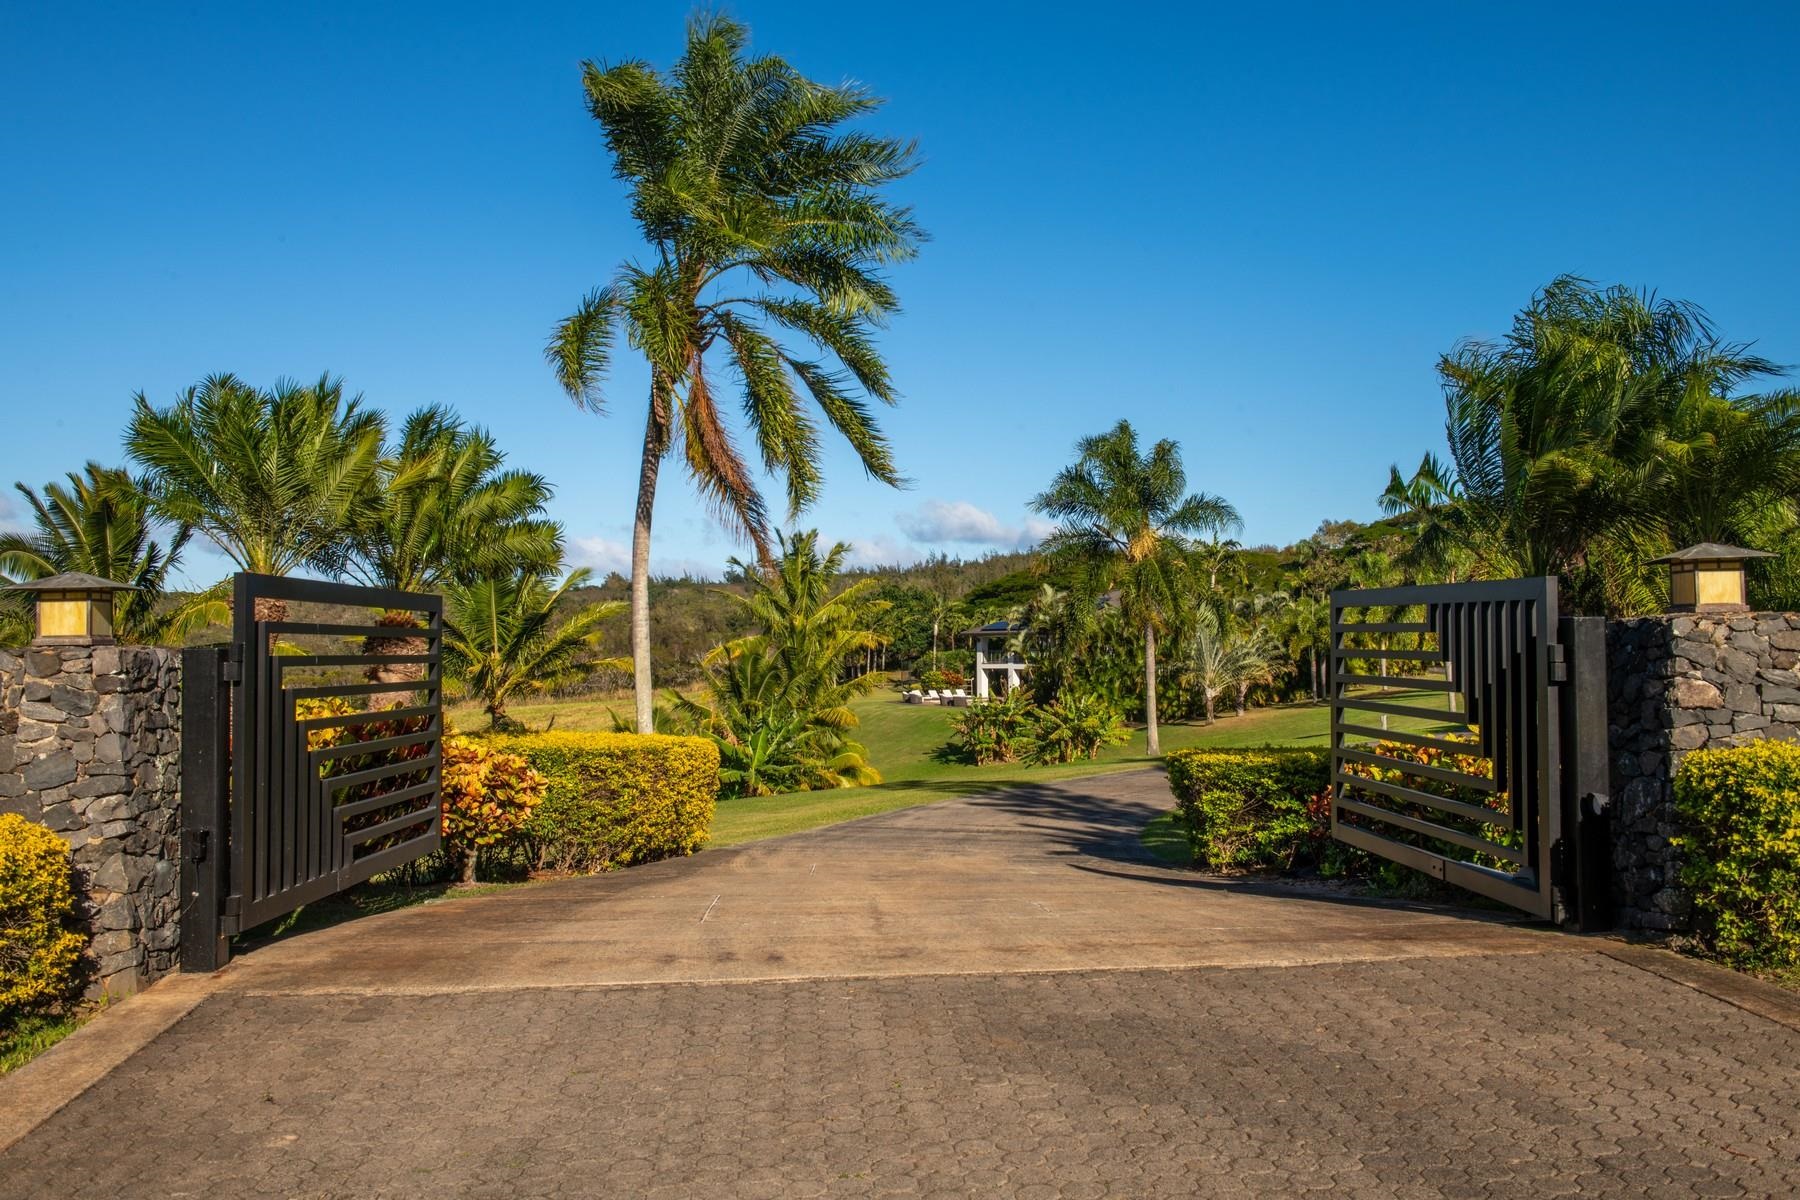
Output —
(310, 752)
(1459, 746)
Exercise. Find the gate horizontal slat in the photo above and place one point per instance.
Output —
(368, 804)
(1424, 770)
(379, 716)
(1406, 795)
(1443, 715)
(406, 820)
(1443, 745)
(1407, 682)
(1430, 829)
(374, 746)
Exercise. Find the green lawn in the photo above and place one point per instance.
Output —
(905, 743)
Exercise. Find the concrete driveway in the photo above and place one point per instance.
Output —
(991, 996)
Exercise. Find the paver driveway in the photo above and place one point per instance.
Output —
(984, 997)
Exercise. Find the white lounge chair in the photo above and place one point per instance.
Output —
(915, 697)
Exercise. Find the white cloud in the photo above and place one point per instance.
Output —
(937, 522)
(605, 556)
(881, 551)
(952, 521)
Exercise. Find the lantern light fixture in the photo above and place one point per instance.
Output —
(72, 609)
(1709, 578)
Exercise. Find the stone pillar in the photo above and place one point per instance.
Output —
(90, 746)
(1676, 684)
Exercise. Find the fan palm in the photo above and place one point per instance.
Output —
(101, 524)
(504, 638)
(1126, 517)
(1223, 660)
(277, 480)
(763, 221)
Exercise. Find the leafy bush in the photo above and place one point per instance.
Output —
(1257, 809)
(1739, 809)
(40, 956)
(615, 799)
(488, 797)
(940, 680)
(1077, 725)
(997, 730)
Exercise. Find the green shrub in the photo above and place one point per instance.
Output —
(616, 799)
(1257, 809)
(40, 955)
(1739, 810)
(1077, 725)
(998, 730)
(488, 797)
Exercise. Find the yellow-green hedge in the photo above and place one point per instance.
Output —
(40, 956)
(615, 799)
(1739, 809)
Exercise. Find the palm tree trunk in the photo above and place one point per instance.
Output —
(1151, 742)
(656, 440)
(1243, 698)
(1211, 697)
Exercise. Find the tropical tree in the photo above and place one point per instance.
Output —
(1306, 632)
(277, 480)
(1127, 519)
(764, 220)
(445, 510)
(778, 700)
(100, 523)
(505, 638)
(1426, 505)
(1573, 439)
(1223, 660)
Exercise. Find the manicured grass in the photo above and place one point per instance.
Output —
(908, 744)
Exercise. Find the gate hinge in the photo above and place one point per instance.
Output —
(197, 843)
(1559, 666)
(231, 672)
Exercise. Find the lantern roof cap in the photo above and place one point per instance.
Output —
(72, 581)
(1717, 551)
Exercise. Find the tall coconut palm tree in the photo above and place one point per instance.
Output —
(100, 524)
(505, 638)
(1128, 519)
(277, 480)
(765, 222)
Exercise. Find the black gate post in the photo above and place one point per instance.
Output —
(1585, 862)
(205, 759)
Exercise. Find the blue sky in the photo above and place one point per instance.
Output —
(1252, 230)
